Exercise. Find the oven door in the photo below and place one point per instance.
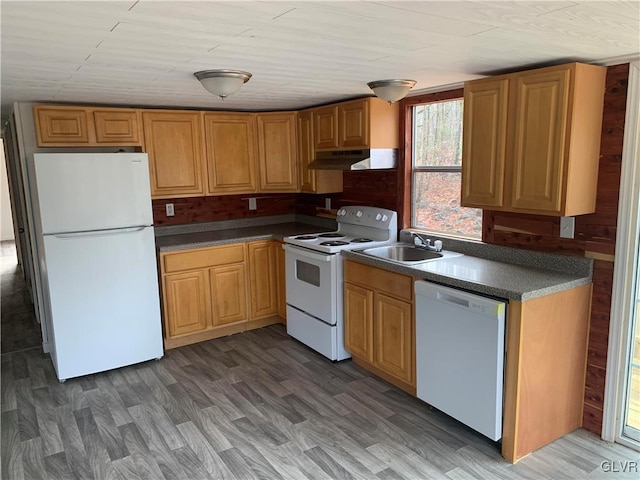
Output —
(312, 282)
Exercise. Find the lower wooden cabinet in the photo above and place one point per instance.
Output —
(358, 324)
(187, 302)
(394, 337)
(216, 291)
(228, 294)
(379, 322)
(263, 279)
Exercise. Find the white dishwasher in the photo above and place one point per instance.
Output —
(460, 355)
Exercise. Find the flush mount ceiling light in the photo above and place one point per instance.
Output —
(391, 90)
(222, 82)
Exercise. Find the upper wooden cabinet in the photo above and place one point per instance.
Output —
(353, 124)
(325, 127)
(231, 152)
(531, 140)
(173, 140)
(313, 181)
(484, 144)
(356, 124)
(58, 126)
(277, 152)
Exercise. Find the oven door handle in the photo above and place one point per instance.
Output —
(301, 252)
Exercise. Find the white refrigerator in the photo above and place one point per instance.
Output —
(96, 245)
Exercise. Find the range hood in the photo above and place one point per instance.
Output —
(368, 159)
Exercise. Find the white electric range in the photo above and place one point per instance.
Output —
(314, 275)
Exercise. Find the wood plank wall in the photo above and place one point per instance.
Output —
(223, 207)
(595, 238)
(377, 188)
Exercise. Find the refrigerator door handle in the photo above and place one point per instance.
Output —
(96, 233)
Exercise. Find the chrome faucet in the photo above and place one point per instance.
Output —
(425, 242)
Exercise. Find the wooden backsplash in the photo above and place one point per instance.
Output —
(223, 207)
(373, 187)
(595, 237)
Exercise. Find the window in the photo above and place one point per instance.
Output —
(437, 171)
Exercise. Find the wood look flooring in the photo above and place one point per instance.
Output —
(256, 405)
(19, 326)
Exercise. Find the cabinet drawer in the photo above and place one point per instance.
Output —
(391, 283)
(203, 257)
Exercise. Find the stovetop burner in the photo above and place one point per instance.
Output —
(331, 235)
(306, 237)
(334, 243)
(361, 240)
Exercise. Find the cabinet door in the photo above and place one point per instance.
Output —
(540, 125)
(186, 302)
(117, 127)
(282, 283)
(277, 152)
(62, 126)
(358, 321)
(228, 294)
(173, 141)
(394, 348)
(306, 152)
(325, 127)
(313, 181)
(353, 124)
(484, 143)
(263, 279)
(231, 152)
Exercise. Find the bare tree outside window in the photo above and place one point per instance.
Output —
(437, 171)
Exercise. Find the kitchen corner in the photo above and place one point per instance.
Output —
(527, 350)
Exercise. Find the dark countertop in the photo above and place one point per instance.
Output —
(484, 276)
(210, 238)
(508, 273)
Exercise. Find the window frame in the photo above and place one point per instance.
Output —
(406, 170)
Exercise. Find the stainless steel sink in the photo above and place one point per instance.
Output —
(408, 254)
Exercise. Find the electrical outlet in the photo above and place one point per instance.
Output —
(169, 209)
(567, 227)
(253, 204)
(327, 203)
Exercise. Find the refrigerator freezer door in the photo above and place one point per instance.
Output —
(80, 192)
(105, 308)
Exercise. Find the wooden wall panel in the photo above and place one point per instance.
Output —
(223, 207)
(377, 188)
(595, 237)
(374, 187)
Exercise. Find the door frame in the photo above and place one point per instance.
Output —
(626, 261)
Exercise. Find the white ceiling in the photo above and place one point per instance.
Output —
(300, 53)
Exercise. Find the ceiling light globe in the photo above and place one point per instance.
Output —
(391, 90)
(222, 82)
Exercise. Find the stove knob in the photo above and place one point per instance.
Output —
(384, 218)
(359, 214)
(341, 212)
(378, 217)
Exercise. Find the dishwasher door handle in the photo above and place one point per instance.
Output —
(453, 299)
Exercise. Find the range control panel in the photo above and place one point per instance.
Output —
(368, 217)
